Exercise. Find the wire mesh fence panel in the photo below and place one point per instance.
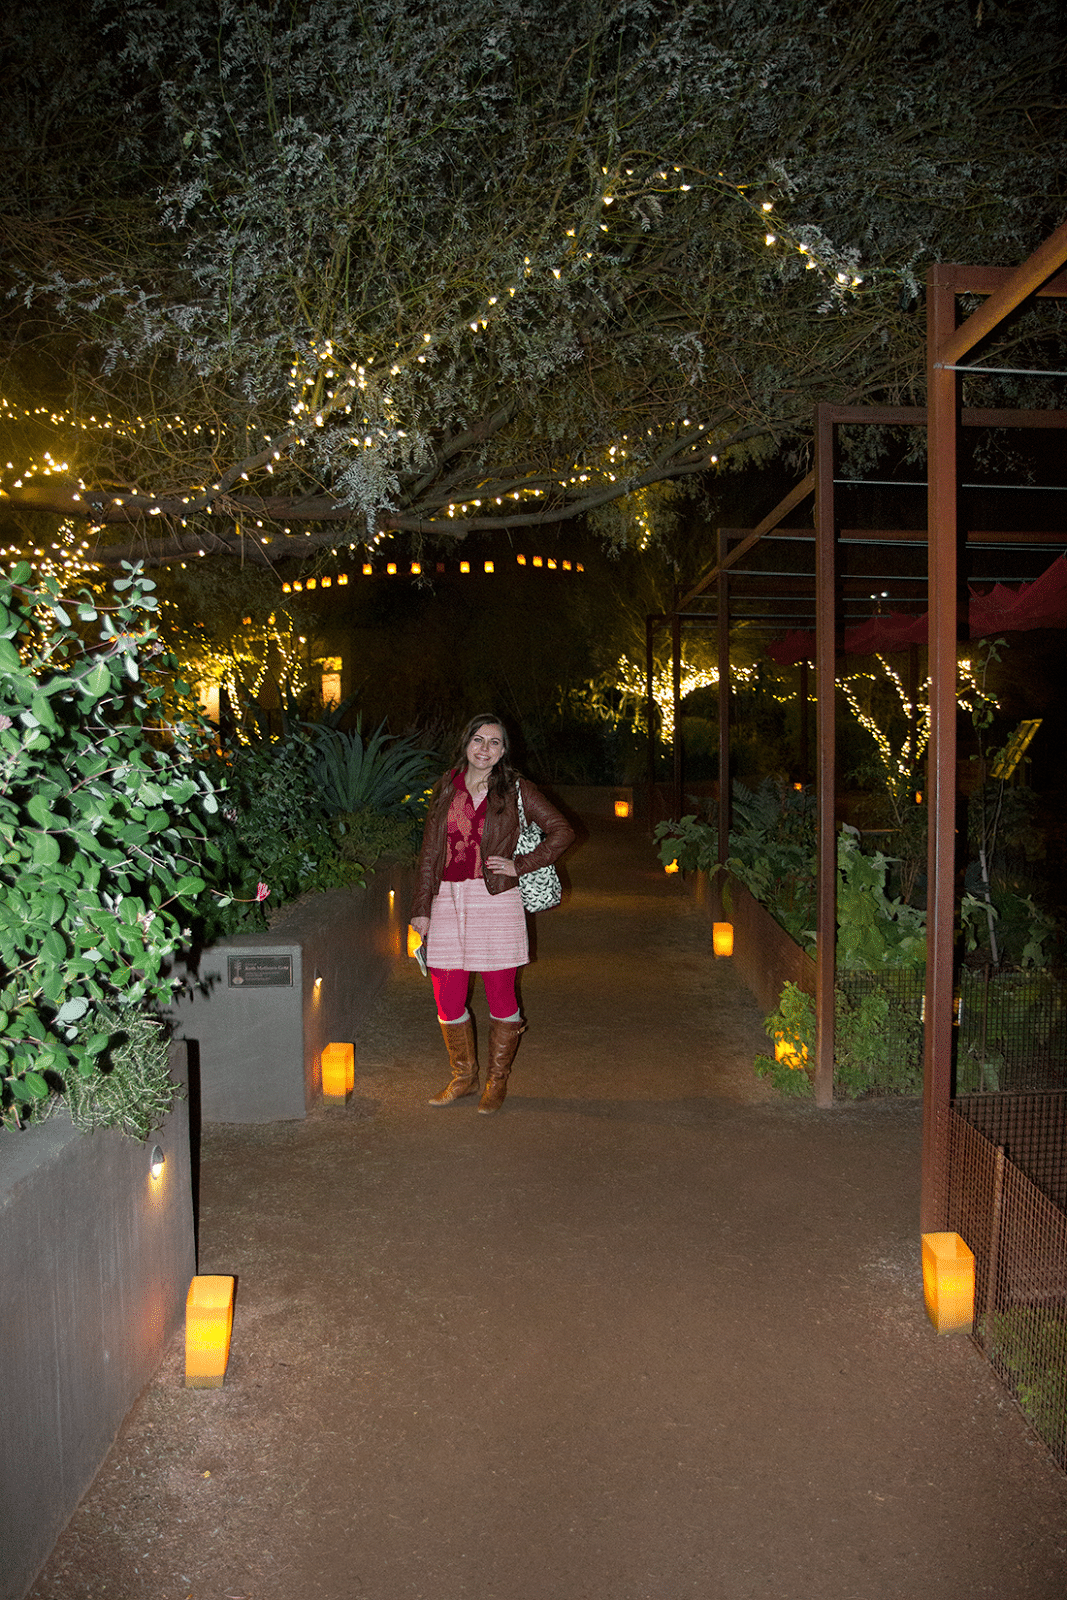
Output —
(879, 1033)
(1012, 1026)
(1019, 1238)
(1032, 1131)
(1012, 1031)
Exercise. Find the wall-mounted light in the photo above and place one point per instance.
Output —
(948, 1282)
(208, 1324)
(156, 1161)
(671, 866)
(722, 938)
(622, 808)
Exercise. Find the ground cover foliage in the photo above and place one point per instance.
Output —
(400, 266)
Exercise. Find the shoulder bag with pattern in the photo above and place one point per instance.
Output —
(540, 890)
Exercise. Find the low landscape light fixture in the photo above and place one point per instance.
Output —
(156, 1161)
(792, 1053)
(622, 808)
(208, 1324)
(671, 866)
(948, 1282)
(338, 1072)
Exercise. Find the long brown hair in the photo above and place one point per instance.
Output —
(502, 778)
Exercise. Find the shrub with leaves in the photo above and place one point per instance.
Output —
(771, 851)
(313, 810)
(876, 1045)
(873, 931)
(102, 808)
(272, 829)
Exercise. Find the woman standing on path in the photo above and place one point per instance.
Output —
(467, 905)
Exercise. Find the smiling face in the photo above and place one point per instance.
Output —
(484, 748)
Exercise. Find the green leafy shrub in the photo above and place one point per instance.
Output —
(312, 810)
(102, 824)
(273, 831)
(364, 837)
(873, 931)
(792, 1027)
(876, 1044)
(772, 850)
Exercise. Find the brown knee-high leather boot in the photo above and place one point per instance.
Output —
(459, 1041)
(503, 1043)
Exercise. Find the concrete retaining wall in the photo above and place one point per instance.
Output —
(270, 1001)
(95, 1262)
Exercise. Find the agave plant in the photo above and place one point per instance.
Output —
(385, 774)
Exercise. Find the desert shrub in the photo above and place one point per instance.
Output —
(103, 808)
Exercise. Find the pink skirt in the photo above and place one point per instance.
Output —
(472, 930)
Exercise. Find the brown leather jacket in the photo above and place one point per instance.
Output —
(500, 835)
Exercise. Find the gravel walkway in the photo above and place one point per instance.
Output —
(647, 1334)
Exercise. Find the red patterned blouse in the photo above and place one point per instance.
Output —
(465, 823)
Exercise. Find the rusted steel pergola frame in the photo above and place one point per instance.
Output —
(947, 345)
(1007, 288)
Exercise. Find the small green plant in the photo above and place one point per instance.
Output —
(772, 849)
(273, 830)
(384, 774)
(365, 837)
(132, 1088)
(873, 932)
(876, 1045)
(792, 1027)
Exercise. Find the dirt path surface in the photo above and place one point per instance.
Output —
(647, 1334)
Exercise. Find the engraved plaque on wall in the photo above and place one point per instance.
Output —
(260, 972)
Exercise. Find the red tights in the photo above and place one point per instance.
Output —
(450, 991)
